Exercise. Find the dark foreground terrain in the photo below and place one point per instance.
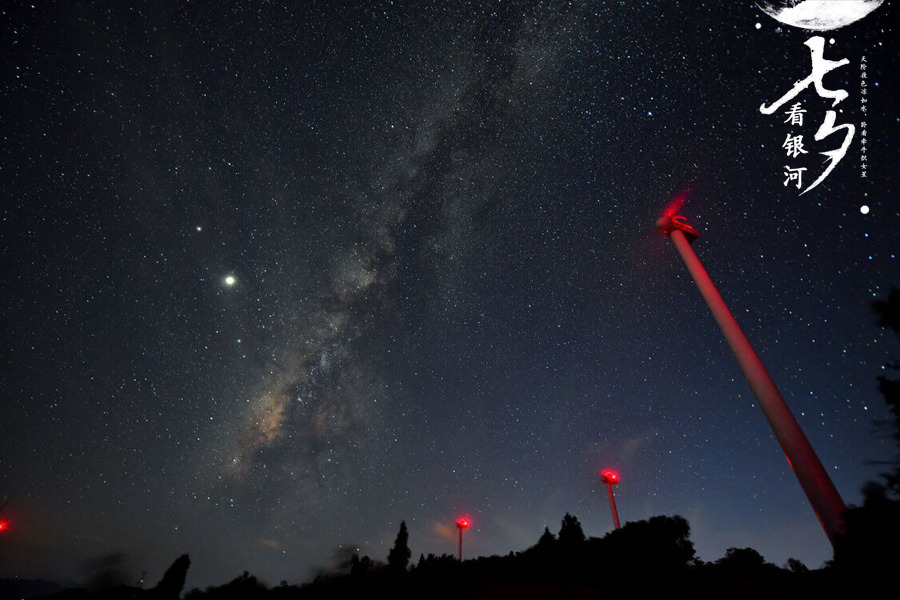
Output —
(645, 559)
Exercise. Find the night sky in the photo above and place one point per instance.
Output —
(277, 276)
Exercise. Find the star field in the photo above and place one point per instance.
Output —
(277, 277)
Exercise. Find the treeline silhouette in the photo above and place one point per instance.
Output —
(654, 558)
(651, 558)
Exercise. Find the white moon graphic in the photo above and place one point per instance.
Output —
(818, 15)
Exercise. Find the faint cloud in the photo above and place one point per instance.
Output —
(633, 446)
(513, 530)
(270, 543)
(443, 531)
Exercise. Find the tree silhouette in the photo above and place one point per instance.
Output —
(795, 565)
(658, 545)
(867, 553)
(743, 560)
(360, 566)
(888, 311)
(570, 533)
(398, 557)
(170, 586)
(546, 541)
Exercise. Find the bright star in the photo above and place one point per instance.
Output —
(230, 280)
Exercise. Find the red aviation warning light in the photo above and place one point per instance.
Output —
(609, 476)
(4, 525)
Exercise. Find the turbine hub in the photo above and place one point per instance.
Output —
(668, 224)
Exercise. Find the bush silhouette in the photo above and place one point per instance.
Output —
(243, 587)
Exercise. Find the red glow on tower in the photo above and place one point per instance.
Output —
(673, 207)
(461, 524)
(4, 525)
(611, 478)
(677, 202)
(826, 501)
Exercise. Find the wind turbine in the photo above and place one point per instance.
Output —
(819, 489)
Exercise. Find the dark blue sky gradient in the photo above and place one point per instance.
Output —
(449, 296)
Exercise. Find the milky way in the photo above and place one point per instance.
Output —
(323, 394)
